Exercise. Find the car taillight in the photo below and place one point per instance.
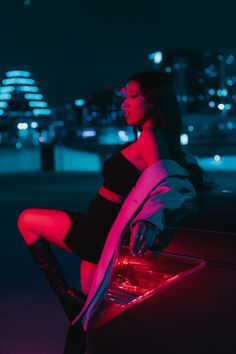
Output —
(134, 279)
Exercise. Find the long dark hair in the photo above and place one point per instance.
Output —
(158, 89)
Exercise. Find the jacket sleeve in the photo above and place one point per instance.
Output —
(169, 195)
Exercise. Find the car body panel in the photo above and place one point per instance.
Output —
(196, 314)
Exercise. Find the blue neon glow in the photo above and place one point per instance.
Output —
(225, 163)
(190, 128)
(123, 136)
(1, 112)
(27, 88)
(22, 126)
(217, 158)
(15, 73)
(41, 112)
(33, 96)
(228, 106)
(18, 145)
(211, 104)
(221, 106)
(80, 102)
(6, 89)
(3, 105)
(88, 133)
(211, 92)
(224, 92)
(230, 125)
(34, 125)
(184, 98)
(39, 104)
(168, 69)
(17, 81)
(156, 57)
(184, 139)
(230, 82)
(5, 96)
(230, 59)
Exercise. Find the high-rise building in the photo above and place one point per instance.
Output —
(218, 82)
(183, 65)
(205, 81)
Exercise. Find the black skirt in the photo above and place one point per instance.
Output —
(88, 232)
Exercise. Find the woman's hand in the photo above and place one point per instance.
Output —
(143, 237)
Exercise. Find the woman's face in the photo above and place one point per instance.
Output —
(136, 109)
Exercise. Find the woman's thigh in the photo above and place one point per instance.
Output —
(50, 224)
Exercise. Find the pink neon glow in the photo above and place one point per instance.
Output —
(135, 279)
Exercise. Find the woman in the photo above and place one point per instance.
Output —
(151, 107)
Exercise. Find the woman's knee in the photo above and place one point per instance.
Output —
(24, 218)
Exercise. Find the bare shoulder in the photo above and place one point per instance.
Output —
(152, 145)
(152, 134)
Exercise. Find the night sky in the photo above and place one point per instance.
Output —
(75, 47)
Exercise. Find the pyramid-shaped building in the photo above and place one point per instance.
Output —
(20, 96)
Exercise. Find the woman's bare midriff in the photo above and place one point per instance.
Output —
(111, 196)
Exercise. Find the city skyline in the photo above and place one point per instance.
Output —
(205, 81)
(74, 49)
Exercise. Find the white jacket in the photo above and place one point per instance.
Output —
(162, 186)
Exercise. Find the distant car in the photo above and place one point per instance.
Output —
(179, 298)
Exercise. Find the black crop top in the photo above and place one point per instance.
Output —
(119, 174)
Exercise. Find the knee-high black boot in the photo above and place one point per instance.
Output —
(71, 299)
(76, 340)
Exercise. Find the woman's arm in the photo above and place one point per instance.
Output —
(152, 147)
(169, 195)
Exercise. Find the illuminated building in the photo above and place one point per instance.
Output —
(183, 66)
(218, 82)
(20, 97)
(24, 115)
(104, 108)
(205, 81)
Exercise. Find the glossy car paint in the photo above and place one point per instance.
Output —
(196, 314)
